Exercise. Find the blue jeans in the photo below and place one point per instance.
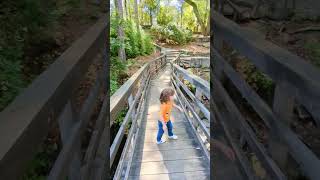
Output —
(161, 131)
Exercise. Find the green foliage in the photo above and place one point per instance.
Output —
(25, 27)
(259, 81)
(152, 5)
(189, 20)
(172, 34)
(313, 48)
(165, 15)
(11, 80)
(117, 69)
(136, 42)
(40, 166)
(120, 117)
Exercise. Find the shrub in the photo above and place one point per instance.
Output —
(136, 42)
(172, 34)
(117, 67)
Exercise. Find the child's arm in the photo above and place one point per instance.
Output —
(225, 149)
(178, 107)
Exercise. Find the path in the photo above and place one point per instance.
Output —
(175, 159)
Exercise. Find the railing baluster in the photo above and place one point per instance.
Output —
(67, 121)
(283, 105)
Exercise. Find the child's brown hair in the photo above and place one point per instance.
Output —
(165, 95)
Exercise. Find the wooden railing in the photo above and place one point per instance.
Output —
(132, 93)
(50, 99)
(294, 80)
(194, 62)
(195, 104)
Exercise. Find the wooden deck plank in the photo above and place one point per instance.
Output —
(177, 129)
(175, 166)
(154, 124)
(199, 175)
(168, 145)
(152, 138)
(167, 155)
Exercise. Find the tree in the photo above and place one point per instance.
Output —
(181, 14)
(165, 15)
(119, 12)
(136, 14)
(197, 14)
(152, 6)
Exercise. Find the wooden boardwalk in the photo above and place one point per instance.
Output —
(175, 159)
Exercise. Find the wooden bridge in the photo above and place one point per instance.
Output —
(185, 158)
(51, 103)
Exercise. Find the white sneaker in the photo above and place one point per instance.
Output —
(160, 142)
(173, 137)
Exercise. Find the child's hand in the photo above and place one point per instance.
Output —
(228, 152)
(225, 149)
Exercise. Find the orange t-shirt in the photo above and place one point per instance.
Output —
(165, 110)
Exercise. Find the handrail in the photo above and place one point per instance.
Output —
(25, 122)
(295, 80)
(119, 98)
(140, 81)
(192, 102)
(277, 63)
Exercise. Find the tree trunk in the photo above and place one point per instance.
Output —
(208, 17)
(151, 18)
(196, 12)
(126, 9)
(121, 52)
(208, 26)
(136, 14)
(181, 15)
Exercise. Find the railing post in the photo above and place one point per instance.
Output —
(217, 66)
(130, 102)
(198, 95)
(283, 108)
(67, 120)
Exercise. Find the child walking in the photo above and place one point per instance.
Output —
(166, 100)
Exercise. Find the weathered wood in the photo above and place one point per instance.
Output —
(199, 175)
(66, 121)
(295, 80)
(124, 91)
(167, 155)
(303, 155)
(131, 139)
(119, 98)
(145, 143)
(193, 98)
(60, 167)
(248, 133)
(283, 105)
(25, 122)
(196, 116)
(245, 168)
(277, 63)
(193, 79)
(116, 142)
(147, 168)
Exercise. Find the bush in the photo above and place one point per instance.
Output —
(117, 67)
(172, 34)
(136, 42)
